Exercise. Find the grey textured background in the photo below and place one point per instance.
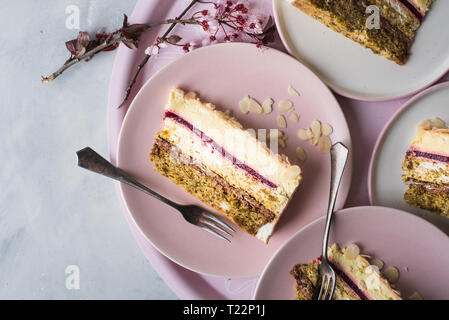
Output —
(53, 214)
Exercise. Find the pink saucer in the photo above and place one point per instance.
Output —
(417, 248)
(223, 74)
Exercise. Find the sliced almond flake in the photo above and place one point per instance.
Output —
(363, 285)
(235, 122)
(301, 154)
(281, 121)
(305, 134)
(391, 274)
(285, 105)
(283, 136)
(244, 105)
(414, 296)
(406, 269)
(377, 262)
(316, 131)
(190, 95)
(267, 106)
(281, 143)
(292, 91)
(316, 128)
(294, 117)
(366, 256)
(324, 144)
(254, 106)
(227, 112)
(292, 172)
(210, 106)
(326, 129)
(438, 123)
(244, 109)
(352, 251)
(372, 268)
(426, 125)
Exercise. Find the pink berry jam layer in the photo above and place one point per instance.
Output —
(426, 155)
(215, 146)
(413, 9)
(351, 284)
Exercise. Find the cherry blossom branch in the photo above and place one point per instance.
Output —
(147, 57)
(88, 55)
(110, 41)
(228, 17)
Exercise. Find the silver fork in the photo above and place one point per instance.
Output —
(339, 156)
(90, 160)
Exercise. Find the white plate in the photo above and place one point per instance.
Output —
(385, 185)
(355, 71)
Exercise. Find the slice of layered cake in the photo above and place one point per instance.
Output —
(356, 278)
(426, 166)
(387, 27)
(211, 156)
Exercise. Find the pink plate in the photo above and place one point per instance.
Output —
(223, 74)
(400, 239)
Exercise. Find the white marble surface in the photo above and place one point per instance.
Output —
(52, 213)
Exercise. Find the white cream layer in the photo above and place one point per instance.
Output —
(364, 275)
(229, 134)
(190, 144)
(430, 168)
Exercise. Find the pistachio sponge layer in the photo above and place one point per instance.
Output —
(356, 278)
(209, 187)
(306, 276)
(430, 197)
(392, 37)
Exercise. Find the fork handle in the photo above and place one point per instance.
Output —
(339, 157)
(90, 160)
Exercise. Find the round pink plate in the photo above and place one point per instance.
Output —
(223, 74)
(411, 244)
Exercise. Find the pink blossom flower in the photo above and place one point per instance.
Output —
(256, 23)
(214, 25)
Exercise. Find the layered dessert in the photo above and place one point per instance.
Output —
(211, 156)
(387, 29)
(356, 278)
(426, 168)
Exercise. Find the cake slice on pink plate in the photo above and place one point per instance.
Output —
(211, 156)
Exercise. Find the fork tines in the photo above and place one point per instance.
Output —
(213, 224)
(327, 287)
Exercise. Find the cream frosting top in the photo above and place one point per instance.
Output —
(229, 134)
(423, 5)
(432, 138)
(367, 277)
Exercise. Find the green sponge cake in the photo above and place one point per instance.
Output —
(356, 278)
(392, 37)
(426, 168)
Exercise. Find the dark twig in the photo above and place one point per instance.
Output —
(89, 54)
(144, 61)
